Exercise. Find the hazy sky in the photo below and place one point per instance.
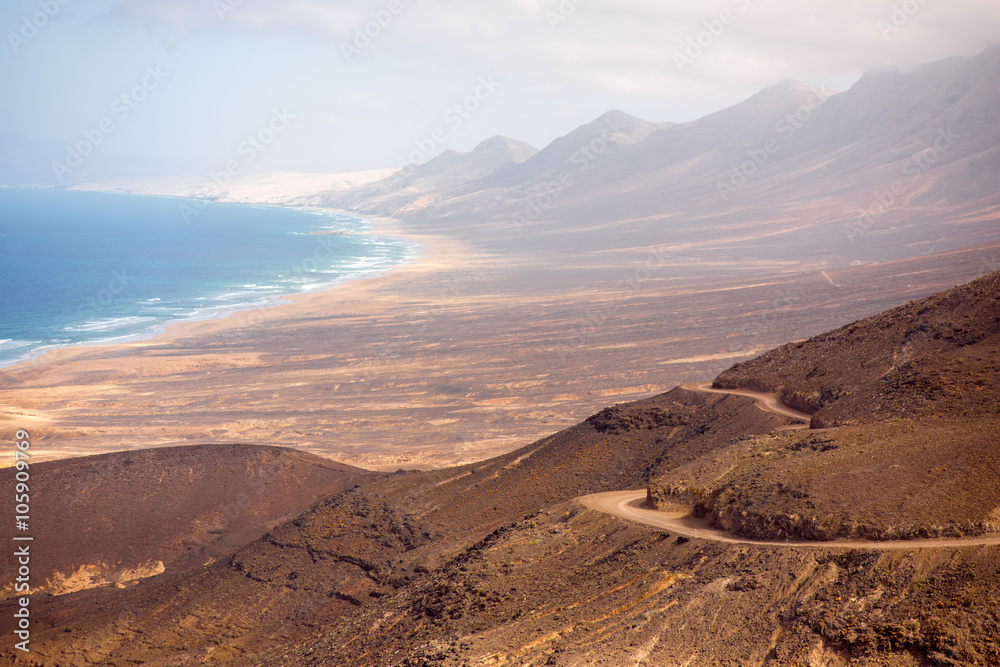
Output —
(192, 79)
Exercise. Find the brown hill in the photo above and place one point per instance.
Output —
(571, 588)
(119, 517)
(566, 587)
(934, 355)
(905, 403)
(363, 545)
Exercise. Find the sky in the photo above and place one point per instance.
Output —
(326, 85)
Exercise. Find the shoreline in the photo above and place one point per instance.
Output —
(432, 253)
(459, 355)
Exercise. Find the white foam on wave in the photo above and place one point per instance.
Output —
(109, 324)
(381, 255)
(14, 344)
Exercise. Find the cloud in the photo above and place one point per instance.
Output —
(561, 63)
(366, 100)
(630, 43)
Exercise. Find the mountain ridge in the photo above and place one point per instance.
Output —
(791, 163)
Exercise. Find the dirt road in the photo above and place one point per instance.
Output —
(629, 505)
(766, 402)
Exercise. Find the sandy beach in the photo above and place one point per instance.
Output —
(436, 253)
(457, 356)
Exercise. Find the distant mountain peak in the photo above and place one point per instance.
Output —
(789, 90)
(517, 151)
(619, 115)
(879, 74)
(618, 123)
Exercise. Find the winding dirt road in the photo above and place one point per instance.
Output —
(766, 402)
(629, 505)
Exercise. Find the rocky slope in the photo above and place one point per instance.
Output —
(375, 541)
(931, 356)
(905, 403)
(116, 518)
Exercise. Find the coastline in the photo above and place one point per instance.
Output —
(454, 357)
(433, 253)
(73, 366)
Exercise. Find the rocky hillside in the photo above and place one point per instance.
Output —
(931, 356)
(375, 541)
(116, 518)
(905, 402)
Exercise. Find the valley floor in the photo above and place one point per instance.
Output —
(462, 356)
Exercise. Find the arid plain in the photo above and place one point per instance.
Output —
(456, 358)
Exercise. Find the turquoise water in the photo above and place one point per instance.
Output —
(85, 267)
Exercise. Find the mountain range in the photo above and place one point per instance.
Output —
(869, 173)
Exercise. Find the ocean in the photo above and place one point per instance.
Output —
(88, 268)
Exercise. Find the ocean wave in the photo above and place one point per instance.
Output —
(8, 344)
(110, 324)
(216, 312)
(143, 318)
(230, 296)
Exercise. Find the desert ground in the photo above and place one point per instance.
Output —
(462, 355)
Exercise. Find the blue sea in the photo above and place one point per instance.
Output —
(88, 268)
